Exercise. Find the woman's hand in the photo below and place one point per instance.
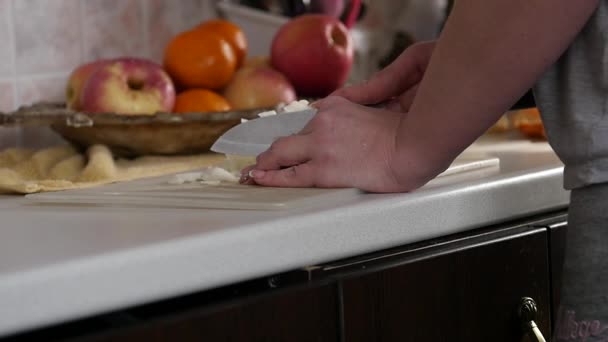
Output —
(344, 145)
(395, 85)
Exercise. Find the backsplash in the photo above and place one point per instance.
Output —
(45, 39)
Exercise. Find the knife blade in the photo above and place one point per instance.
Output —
(255, 136)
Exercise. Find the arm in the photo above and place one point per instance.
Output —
(488, 55)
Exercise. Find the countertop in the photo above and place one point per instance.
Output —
(59, 263)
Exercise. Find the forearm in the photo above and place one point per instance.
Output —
(488, 55)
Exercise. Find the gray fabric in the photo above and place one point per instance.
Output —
(573, 100)
(583, 312)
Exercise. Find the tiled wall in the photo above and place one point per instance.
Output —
(43, 40)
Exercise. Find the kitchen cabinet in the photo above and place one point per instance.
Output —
(557, 247)
(462, 287)
(304, 315)
(463, 294)
(250, 311)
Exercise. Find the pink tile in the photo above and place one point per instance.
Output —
(33, 90)
(113, 28)
(166, 18)
(47, 35)
(7, 96)
(6, 53)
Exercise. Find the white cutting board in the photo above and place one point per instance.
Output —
(158, 193)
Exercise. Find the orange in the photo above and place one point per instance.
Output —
(200, 100)
(529, 122)
(199, 59)
(231, 33)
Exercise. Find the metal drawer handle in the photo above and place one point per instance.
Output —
(527, 313)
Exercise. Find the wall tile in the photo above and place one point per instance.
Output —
(7, 96)
(6, 53)
(48, 35)
(113, 28)
(166, 18)
(33, 90)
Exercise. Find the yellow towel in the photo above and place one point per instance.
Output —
(61, 168)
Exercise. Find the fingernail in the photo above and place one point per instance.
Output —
(315, 104)
(257, 174)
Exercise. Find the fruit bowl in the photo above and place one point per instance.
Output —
(132, 135)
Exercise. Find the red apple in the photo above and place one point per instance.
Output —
(77, 81)
(315, 52)
(258, 87)
(129, 86)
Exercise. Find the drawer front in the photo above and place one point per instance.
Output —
(469, 294)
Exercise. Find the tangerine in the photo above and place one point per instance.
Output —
(529, 122)
(231, 33)
(200, 59)
(200, 100)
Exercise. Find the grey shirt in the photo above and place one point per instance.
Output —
(573, 100)
(572, 97)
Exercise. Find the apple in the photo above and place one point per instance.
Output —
(258, 87)
(77, 80)
(129, 86)
(315, 52)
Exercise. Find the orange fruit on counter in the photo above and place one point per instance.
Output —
(200, 59)
(529, 122)
(231, 33)
(200, 100)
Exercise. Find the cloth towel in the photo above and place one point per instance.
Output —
(24, 171)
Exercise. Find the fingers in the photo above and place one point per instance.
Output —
(393, 105)
(285, 152)
(246, 178)
(407, 98)
(378, 88)
(366, 92)
(406, 71)
(297, 176)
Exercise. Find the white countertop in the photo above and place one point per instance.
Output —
(59, 263)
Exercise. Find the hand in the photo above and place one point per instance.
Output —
(397, 83)
(344, 145)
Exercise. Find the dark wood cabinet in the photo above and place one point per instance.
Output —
(306, 315)
(463, 287)
(465, 295)
(557, 248)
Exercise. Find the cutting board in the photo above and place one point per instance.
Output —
(158, 193)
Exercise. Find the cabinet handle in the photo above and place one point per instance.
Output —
(527, 313)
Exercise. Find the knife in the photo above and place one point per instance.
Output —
(255, 136)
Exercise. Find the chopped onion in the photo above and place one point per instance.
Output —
(296, 106)
(182, 178)
(211, 175)
(267, 113)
